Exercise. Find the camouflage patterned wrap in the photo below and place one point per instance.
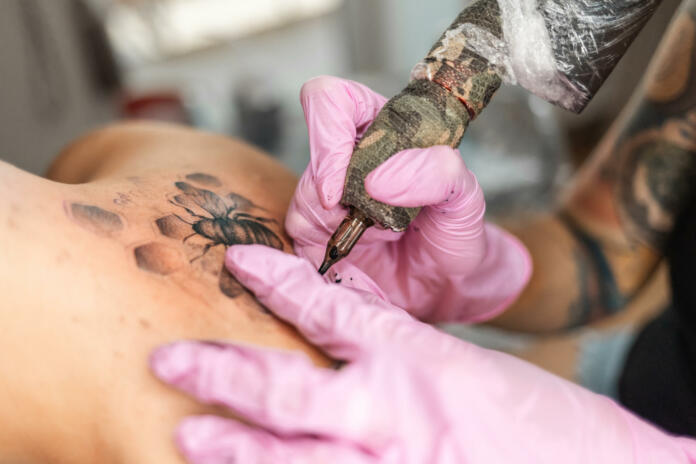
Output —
(424, 114)
(435, 109)
(453, 64)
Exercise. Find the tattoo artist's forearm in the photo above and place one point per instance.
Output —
(624, 202)
(653, 164)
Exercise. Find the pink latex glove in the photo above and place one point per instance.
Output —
(409, 394)
(449, 265)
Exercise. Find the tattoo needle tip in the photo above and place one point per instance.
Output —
(324, 267)
(345, 238)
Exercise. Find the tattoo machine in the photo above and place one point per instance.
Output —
(559, 50)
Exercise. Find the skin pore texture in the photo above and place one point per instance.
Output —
(597, 260)
(123, 253)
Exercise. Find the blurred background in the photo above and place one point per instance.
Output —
(236, 67)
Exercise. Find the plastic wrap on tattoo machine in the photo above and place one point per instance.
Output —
(560, 50)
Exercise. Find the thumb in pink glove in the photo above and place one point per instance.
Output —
(449, 265)
(408, 395)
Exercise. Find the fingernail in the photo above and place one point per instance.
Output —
(236, 256)
(172, 363)
(231, 256)
(190, 438)
(371, 187)
(248, 269)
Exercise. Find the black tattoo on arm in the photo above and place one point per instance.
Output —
(642, 178)
(599, 293)
(654, 165)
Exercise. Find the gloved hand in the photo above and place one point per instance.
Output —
(449, 265)
(408, 395)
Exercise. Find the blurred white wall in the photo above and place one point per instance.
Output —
(280, 60)
(412, 27)
(393, 35)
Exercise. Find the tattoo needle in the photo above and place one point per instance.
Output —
(345, 238)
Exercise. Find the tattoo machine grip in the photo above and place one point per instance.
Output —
(423, 115)
(434, 110)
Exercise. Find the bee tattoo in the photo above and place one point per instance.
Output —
(196, 233)
(206, 223)
(223, 226)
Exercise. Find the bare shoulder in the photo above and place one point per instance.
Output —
(133, 148)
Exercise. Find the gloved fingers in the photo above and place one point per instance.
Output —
(213, 440)
(336, 111)
(498, 281)
(338, 320)
(329, 93)
(420, 177)
(310, 224)
(279, 390)
(451, 225)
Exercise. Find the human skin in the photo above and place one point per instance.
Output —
(92, 282)
(597, 254)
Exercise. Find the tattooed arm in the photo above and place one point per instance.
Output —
(601, 248)
(649, 160)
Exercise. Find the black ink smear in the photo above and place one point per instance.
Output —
(96, 219)
(158, 258)
(204, 179)
(338, 365)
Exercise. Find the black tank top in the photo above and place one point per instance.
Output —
(659, 377)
